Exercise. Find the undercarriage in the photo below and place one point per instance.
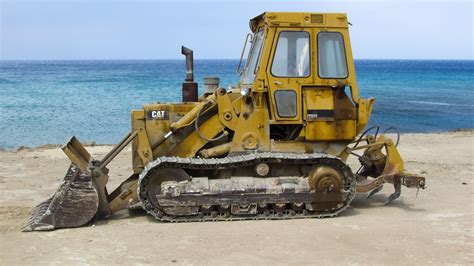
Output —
(253, 186)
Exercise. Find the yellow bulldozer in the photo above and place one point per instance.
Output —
(273, 147)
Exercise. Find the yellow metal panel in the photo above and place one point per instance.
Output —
(318, 99)
(253, 130)
(330, 130)
(365, 109)
(299, 19)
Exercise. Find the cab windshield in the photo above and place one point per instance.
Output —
(248, 74)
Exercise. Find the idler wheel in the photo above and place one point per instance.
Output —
(325, 179)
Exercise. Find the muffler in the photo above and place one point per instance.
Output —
(190, 88)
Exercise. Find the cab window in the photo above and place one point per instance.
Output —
(291, 57)
(331, 55)
(285, 103)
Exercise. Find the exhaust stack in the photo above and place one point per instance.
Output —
(190, 88)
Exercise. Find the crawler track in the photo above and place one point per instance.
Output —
(222, 213)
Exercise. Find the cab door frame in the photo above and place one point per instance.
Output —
(277, 83)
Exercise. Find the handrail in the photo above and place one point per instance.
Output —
(239, 71)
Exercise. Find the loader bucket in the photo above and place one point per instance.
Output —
(74, 204)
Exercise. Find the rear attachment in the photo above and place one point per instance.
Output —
(381, 163)
(74, 204)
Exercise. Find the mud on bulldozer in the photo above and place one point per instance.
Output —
(273, 147)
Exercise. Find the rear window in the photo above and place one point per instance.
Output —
(331, 55)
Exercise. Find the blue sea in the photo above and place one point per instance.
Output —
(45, 102)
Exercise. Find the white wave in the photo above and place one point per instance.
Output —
(438, 103)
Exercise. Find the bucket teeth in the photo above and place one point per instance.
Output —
(36, 215)
(74, 204)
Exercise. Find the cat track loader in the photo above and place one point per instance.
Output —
(273, 147)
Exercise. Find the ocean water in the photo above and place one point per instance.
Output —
(45, 102)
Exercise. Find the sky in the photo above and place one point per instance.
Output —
(215, 29)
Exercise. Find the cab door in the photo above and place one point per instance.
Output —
(290, 67)
(328, 111)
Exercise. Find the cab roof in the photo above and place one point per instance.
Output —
(299, 20)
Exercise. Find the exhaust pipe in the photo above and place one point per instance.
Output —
(190, 88)
(189, 63)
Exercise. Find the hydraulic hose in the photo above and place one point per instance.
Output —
(365, 132)
(396, 131)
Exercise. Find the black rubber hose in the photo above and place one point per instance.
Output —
(365, 132)
(396, 131)
(196, 126)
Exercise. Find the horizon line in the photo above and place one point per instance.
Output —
(176, 59)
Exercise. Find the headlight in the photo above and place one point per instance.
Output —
(245, 91)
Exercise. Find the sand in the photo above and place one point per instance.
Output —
(436, 227)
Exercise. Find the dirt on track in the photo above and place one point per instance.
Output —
(436, 227)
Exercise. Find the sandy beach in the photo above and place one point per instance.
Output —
(435, 228)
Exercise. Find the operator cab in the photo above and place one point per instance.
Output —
(303, 61)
